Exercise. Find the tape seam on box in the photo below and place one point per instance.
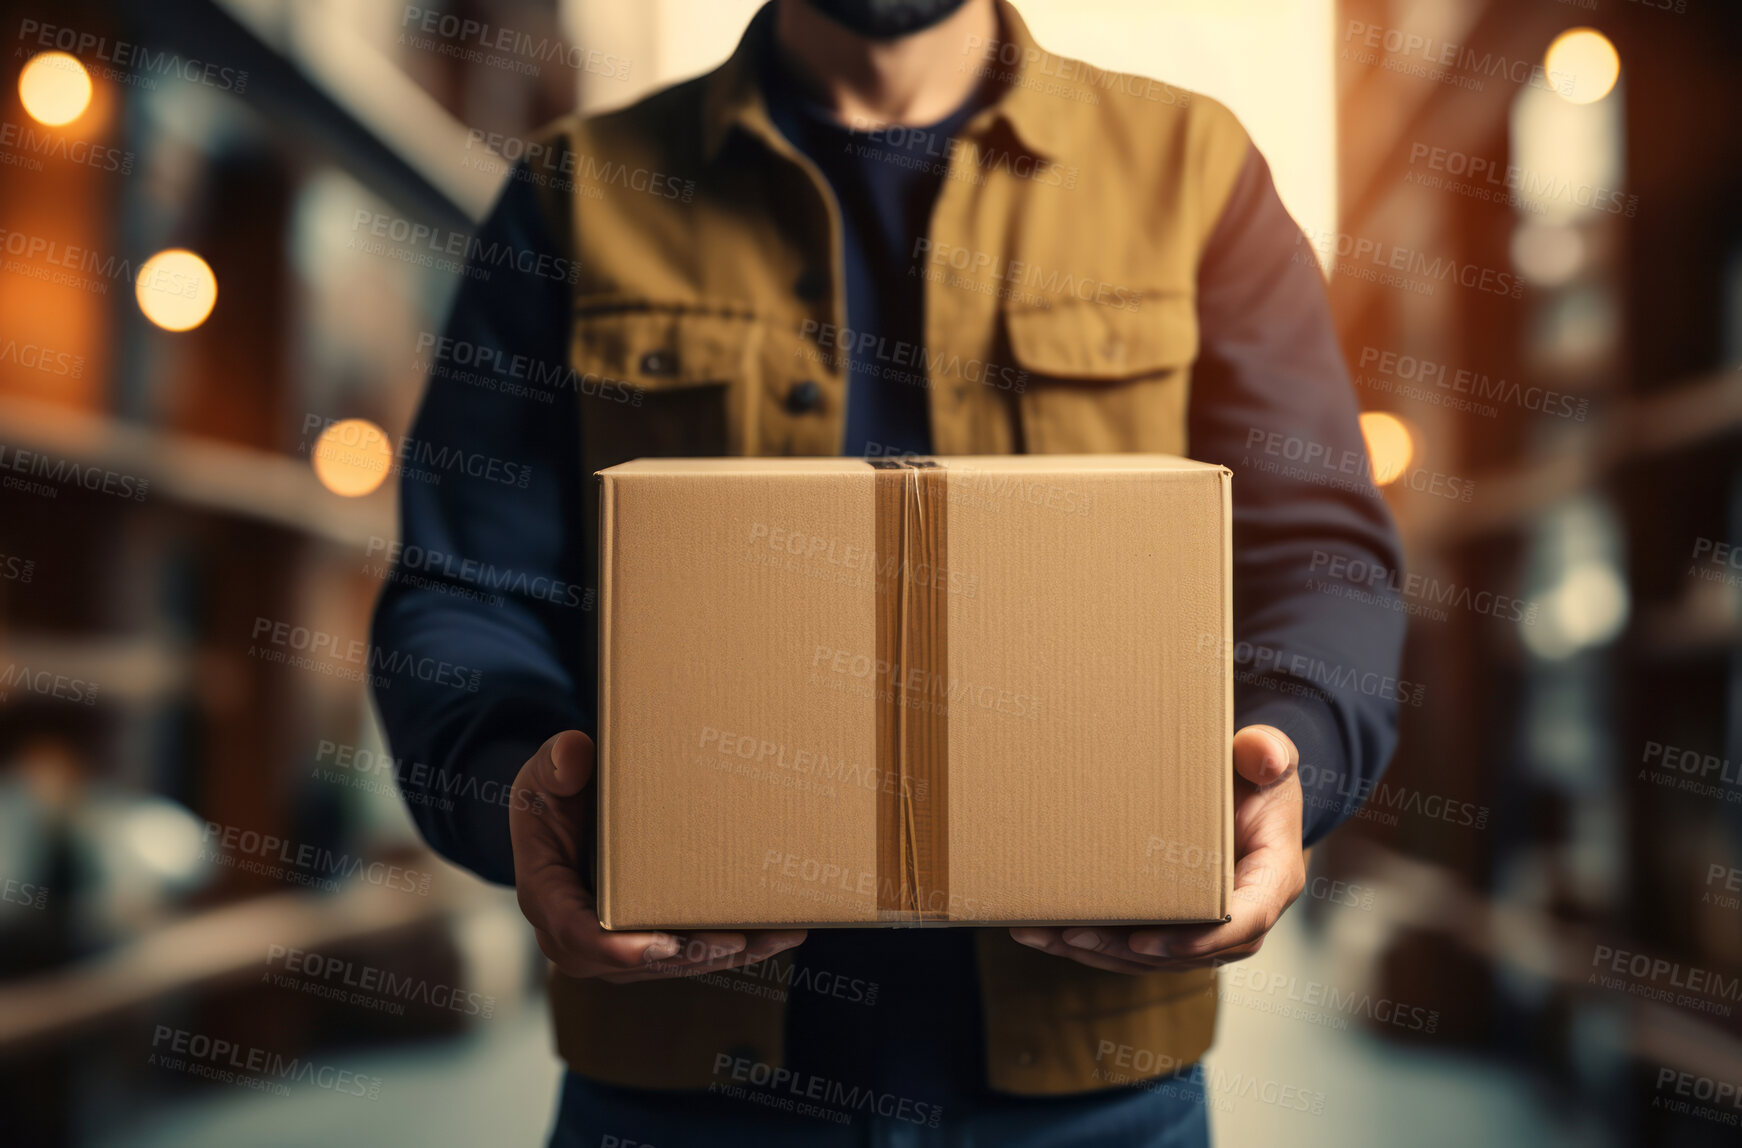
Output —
(910, 504)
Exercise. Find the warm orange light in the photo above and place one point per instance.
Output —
(1582, 65)
(55, 88)
(176, 289)
(1390, 446)
(352, 457)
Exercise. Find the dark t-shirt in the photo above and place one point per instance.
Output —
(897, 1010)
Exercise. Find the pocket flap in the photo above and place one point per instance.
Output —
(1077, 338)
(658, 347)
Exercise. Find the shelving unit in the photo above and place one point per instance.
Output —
(156, 599)
(1578, 852)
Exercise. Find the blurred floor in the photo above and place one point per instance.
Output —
(1374, 1091)
(499, 1087)
(496, 1087)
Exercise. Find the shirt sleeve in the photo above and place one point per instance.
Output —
(489, 577)
(1315, 655)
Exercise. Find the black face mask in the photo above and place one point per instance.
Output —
(887, 19)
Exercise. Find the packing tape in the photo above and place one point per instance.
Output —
(913, 659)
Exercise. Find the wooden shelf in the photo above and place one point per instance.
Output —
(142, 669)
(211, 948)
(202, 473)
(1693, 414)
(1413, 894)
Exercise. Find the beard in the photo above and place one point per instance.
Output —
(887, 19)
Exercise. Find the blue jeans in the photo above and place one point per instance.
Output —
(1165, 1113)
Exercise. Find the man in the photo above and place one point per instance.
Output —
(881, 227)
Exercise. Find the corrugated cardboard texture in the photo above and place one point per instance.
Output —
(1087, 701)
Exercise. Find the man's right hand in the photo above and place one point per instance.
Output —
(553, 837)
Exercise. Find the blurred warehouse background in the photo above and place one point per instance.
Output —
(1533, 933)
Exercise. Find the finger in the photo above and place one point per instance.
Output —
(691, 951)
(547, 879)
(618, 952)
(556, 903)
(1034, 937)
(1079, 940)
(1270, 872)
(667, 971)
(1107, 942)
(549, 841)
(1264, 754)
(1266, 882)
(764, 943)
(564, 763)
(1262, 891)
(1184, 942)
(1115, 945)
(759, 950)
(1052, 942)
(548, 853)
(697, 948)
(1099, 961)
(755, 944)
(1229, 956)
(1212, 960)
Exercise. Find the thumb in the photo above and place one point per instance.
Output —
(1264, 754)
(564, 764)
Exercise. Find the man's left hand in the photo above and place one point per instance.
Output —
(1269, 873)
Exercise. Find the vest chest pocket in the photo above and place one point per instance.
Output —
(661, 381)
(1105, 380)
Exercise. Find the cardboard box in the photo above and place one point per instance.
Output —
(978, 690)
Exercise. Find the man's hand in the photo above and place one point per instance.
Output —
(552, 833)
(1269, 873)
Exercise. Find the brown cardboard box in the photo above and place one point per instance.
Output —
(988, 690)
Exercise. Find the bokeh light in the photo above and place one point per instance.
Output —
(1588, 607)
(352, 457)
(55, 88)
(1390, 445)
(1548, 254)
(176, 289)
(165, 838)
(1582, 65)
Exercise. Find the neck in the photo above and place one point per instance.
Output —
(913, 81)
